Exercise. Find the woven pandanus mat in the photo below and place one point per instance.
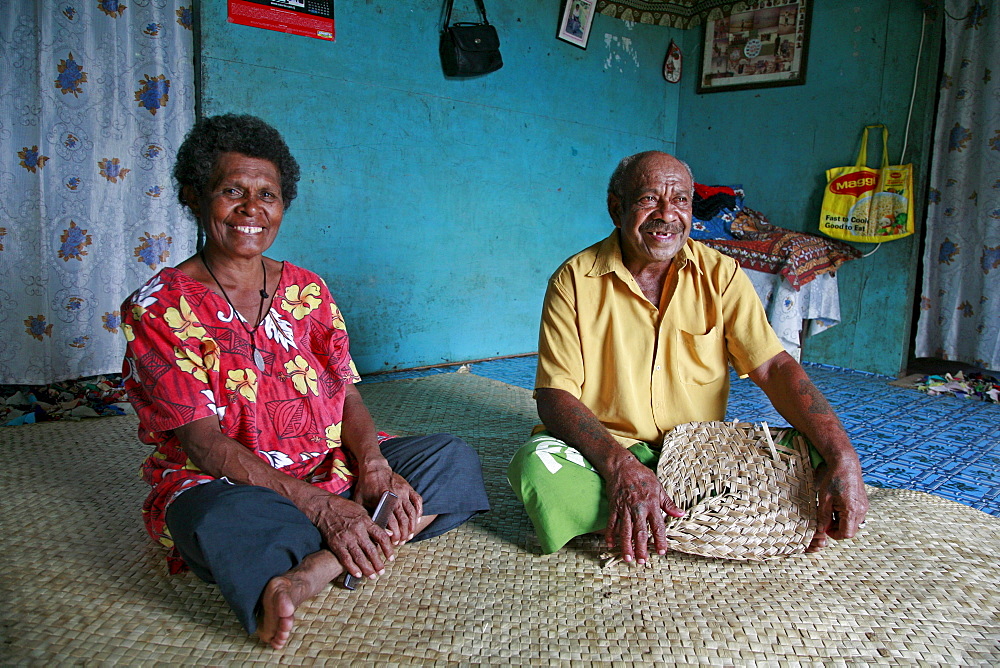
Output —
(746, 495)
(80, 584)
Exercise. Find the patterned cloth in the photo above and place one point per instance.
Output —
(797, 256)
(972, 385)
(65, 400)
(796, 314)
(187, 359)
(676, 13)
(713, 211)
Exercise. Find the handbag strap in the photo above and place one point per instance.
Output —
(479, 5)
(863, 153)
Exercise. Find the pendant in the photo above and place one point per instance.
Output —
(258, 359)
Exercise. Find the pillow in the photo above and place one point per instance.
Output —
(714, 209)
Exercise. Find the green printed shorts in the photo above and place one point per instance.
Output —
(562, 493)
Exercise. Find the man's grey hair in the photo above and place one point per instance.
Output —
(616, 185)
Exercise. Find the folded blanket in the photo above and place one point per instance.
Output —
(713, 210)
(799, 257)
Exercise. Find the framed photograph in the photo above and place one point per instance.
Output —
(764, 45)
(576, 19)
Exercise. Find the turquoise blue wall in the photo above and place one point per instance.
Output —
(778, 142)
(437, 208)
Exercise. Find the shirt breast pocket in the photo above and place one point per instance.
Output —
(700, 359)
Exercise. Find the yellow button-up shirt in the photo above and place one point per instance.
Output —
(639, 370)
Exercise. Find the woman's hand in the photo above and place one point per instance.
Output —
(348, 531)
(374, 474)
(360, 545)
(376, 479)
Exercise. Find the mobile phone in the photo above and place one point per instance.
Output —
(381, 518)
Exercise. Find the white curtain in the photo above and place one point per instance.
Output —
(95, 97)
(960, 297)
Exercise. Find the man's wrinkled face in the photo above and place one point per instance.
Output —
(654, 210)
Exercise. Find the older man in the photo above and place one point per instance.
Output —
(637, 335)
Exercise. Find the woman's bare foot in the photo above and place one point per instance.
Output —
(284, 593)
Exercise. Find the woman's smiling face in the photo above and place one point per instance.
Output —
(241, 208)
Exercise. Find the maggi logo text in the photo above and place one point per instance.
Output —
(855, 183)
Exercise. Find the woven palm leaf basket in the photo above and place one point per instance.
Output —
(746, 489)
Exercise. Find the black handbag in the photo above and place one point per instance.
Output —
(469, 49)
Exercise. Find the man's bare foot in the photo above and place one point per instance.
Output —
(284, 593)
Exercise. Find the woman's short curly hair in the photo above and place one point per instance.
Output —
(232, 133)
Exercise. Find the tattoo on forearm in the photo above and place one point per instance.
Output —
(587, 423)
(818, 404)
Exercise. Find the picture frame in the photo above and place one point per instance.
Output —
(763, 46)
(577, 17)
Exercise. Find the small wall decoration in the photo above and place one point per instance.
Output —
(672, 63)
(310, 18)
(576, 20)
(765, 45)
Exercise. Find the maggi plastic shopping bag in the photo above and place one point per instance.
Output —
(865, 204)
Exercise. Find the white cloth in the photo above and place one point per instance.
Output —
(794, 313)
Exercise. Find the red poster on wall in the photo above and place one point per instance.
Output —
(312, 18)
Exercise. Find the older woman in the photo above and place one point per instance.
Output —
(265, 458)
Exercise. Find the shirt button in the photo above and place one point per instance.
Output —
(658, 367)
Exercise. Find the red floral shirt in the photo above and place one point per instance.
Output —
(187, 359)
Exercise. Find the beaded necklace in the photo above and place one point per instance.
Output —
(258, 359)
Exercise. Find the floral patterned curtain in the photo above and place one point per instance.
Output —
(960, 298)
(95, 96)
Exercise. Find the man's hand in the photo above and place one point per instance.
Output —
(842, 501)
(842, 504)
(636, 504)
(376, 479)
(636, 500)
